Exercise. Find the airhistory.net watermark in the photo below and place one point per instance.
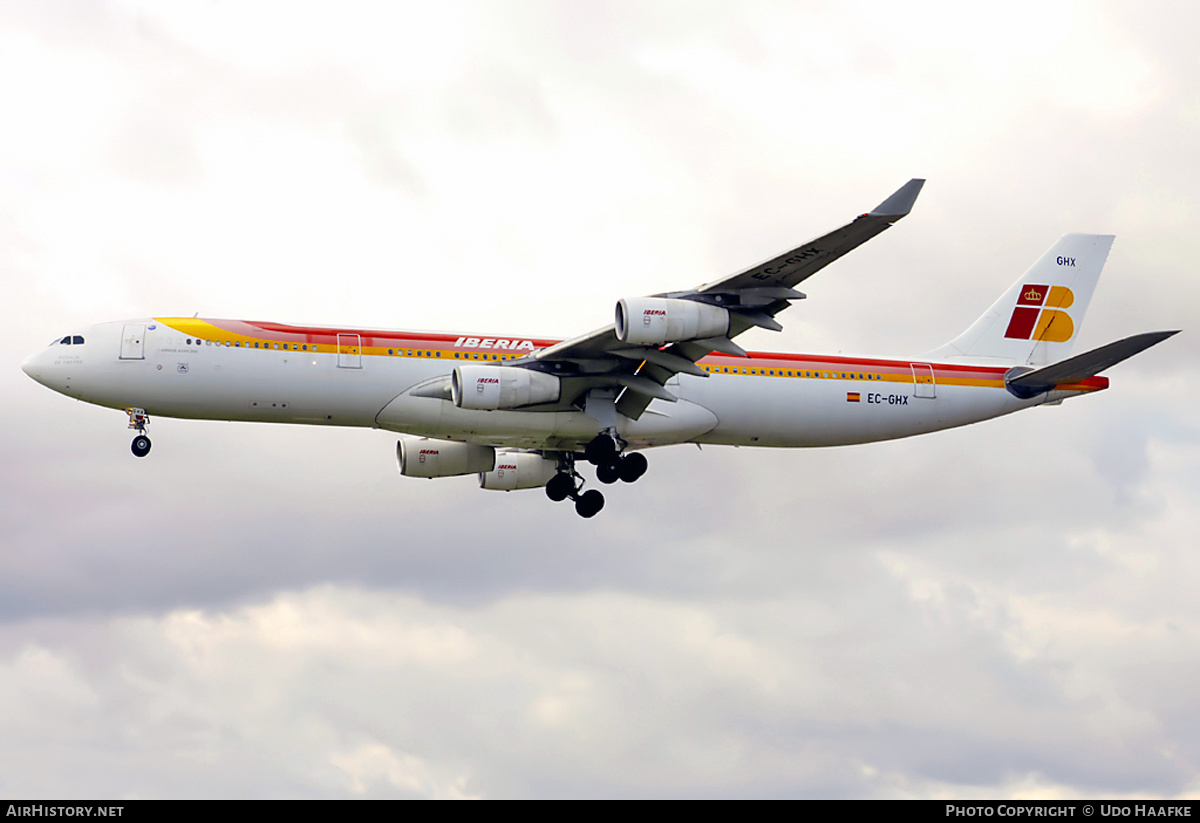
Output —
(46, 810)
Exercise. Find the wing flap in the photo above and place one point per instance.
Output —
(663, 358)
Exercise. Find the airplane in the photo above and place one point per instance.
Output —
(525, 412)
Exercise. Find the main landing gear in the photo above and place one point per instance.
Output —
(569, 483)
(139, 420)
(603, 452)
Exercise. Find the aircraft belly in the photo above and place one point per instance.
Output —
(433, 417)
(661, 424)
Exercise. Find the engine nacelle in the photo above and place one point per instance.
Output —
(518, 470)
(488, 388)
(652, 321)
(425, 457)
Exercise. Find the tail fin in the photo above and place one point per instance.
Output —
(1037, 319)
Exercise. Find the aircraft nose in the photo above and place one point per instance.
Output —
(35, 367)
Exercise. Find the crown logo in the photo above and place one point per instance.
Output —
(1033, 294)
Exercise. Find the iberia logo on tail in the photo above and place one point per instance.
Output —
(1040, 314)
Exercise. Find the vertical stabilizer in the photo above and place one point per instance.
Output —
(1037, 320)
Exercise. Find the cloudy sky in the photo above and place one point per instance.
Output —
(1004, 610)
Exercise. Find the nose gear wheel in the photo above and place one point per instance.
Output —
(138, 421)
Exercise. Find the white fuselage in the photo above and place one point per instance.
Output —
(233, 370)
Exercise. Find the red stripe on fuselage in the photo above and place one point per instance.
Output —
(382, 337)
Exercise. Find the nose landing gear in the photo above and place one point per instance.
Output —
(139, 420)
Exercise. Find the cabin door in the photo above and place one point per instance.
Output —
(349, 351)
(923, 383)
(133, 342)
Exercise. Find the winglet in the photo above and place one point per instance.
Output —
(900, 203)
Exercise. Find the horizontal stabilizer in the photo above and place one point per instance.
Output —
(1082, 366)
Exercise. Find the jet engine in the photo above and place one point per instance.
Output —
(425, 457)
(487, 388)
(652, 321)
(518, 470)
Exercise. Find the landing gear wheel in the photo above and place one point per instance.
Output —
(600, 449)
(138, 421)
(632, 466)
(560, 487)
(589, 503)
(608, 473)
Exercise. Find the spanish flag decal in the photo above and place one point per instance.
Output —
(853, 397)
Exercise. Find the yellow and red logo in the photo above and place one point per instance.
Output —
(1040, 314)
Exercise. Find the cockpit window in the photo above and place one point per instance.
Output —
(66, 341)
(77, 340)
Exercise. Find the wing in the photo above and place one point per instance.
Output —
(797, 265)
(638, 373)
